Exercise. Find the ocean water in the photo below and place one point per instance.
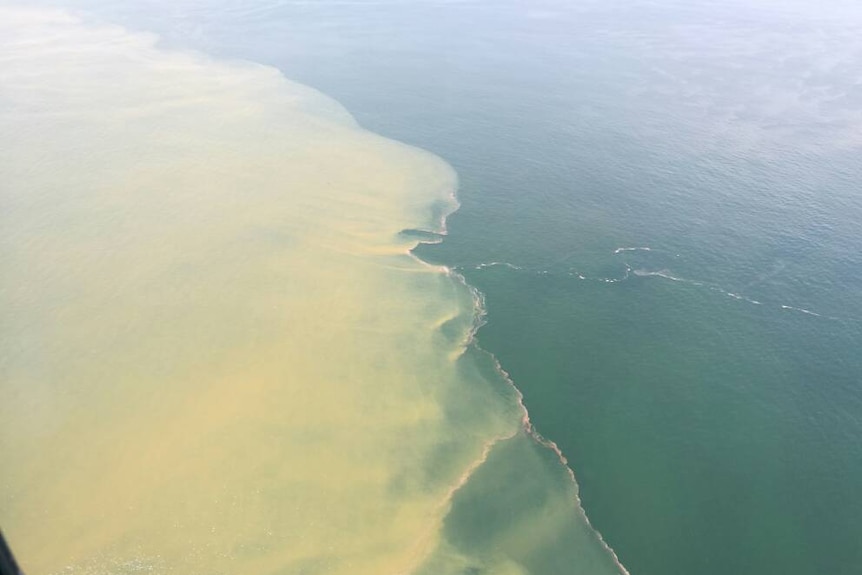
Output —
(660, 204)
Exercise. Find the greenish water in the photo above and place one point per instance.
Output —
(707, 392)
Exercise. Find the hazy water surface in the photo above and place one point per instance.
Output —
(660, 204)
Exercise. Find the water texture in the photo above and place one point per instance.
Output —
(661, 211)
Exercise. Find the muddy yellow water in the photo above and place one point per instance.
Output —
(218, 355)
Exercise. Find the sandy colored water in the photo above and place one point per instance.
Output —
(219, 355)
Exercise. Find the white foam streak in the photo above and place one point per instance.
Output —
(632, 249)
(820, 315)
(497, 264)
(662, 273)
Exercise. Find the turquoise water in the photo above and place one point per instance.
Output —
(706, 391)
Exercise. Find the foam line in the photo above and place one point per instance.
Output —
(632, 249)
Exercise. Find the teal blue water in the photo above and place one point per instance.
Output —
(661, 203)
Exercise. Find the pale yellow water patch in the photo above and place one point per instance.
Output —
(217, 354)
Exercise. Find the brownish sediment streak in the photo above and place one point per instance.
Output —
(526, 423)
(424, 545)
